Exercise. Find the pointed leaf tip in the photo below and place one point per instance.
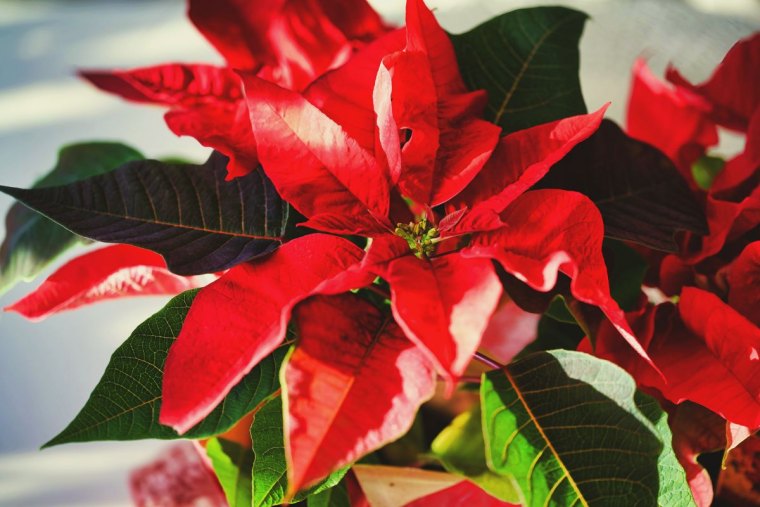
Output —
(189, 214)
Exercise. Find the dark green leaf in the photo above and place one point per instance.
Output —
(559, 311)
(573, 430)
(232, 465)
(406, 450)
(461, 449)
(553, 334)
(528, 61)
(126, 402)
(189, 214)
(336, 496)
(32, 241)
(641, 195)
(626, 269)
(269, 466)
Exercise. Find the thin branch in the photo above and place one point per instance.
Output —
(488, 361)
(462, 380)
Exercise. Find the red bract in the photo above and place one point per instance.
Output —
(248, 309)
(290, 42)
(536, 244)
(696, 430)
(462, 493)
(108, 273)
(733, 201)
(705, 336)
(743, 276)
(519, 161)
(669, 118)
(343, 405)
(732, 90)
(681, 121)
(387, 183)
(443, 304)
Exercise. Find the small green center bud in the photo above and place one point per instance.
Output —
(420, 235)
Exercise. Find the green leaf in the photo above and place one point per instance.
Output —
(528, 61)
(126, 402)
(336, 496)
(626, 269)
(573, 430)
(33, 241)
(706, 169)
(641, 195)
(189, 214)
(559, 311)
(269, 466)
(461, 449)
(406, 450)
(553, 334)
(232, 465)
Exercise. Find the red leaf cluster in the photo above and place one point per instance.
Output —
(707, 343)
(108, 273)
(289, 42)
(402, 157)
(371, 134)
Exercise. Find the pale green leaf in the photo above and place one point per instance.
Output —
(232, 465)
(573, 430)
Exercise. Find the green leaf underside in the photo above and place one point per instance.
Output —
(270, 480)
(461, 449)
(232, 465)
(127, 401)
(573, 430)
(189, 214)
(626, 269)
(33, 241)
(528, 61)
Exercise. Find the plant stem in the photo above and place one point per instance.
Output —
(467, 379)
(488, 361)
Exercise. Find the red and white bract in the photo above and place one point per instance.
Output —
(107, 273)
(350, 166)
(240, 319)
(341, 406)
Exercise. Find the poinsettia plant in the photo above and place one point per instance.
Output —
(415, 269)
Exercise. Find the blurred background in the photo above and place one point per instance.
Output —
(48, 369)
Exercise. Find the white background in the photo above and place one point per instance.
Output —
(48, 369)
